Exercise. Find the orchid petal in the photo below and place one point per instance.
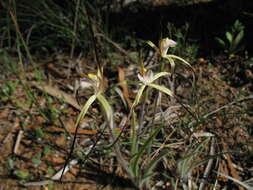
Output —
(158, 75)
(172, 63)
(180, 59)
(161, 88)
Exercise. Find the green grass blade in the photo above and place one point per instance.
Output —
(145, 146)
(155, 161)
(187, 164)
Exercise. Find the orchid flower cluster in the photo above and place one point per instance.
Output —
(146, 80)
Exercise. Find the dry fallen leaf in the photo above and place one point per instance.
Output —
(123, 85)
(54, 91)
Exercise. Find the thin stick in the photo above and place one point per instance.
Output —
(75, 29)
(223, 107)
(209, 166)
(73, 145)
(19, 137)
(99, 65)
(227, 105)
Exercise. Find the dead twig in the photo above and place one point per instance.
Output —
(18, 140)
(117, 46)
(223, 107)
(246, 186)
(209, 165)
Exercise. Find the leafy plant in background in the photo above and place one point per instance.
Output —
(184, 47)
(21, 174)
(232, 44)
(6, 91)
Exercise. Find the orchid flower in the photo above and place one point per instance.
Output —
(147, 79)
(94, 81)
(164, 45)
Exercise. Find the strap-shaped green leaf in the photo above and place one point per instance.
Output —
(136, 159)
(152, 164)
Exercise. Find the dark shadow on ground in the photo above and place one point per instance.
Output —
(104, 178)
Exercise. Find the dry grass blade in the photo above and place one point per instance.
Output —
(56, 177)
(246, 186)
(59, 174)
(37, 183)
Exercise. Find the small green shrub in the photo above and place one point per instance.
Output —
(233, 42)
